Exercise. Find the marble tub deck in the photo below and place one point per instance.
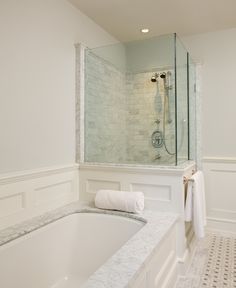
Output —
(121, 269)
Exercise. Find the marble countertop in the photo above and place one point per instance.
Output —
(181, 168)
(123, 267)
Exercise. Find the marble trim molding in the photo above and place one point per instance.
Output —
(79, 101)
(148, 169)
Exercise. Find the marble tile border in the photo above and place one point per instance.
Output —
(79, 101)
(13, 232)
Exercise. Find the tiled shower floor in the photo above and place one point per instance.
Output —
(213, 263)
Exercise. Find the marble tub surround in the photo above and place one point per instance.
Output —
(124, 266)
(21, 229)
(13, 232)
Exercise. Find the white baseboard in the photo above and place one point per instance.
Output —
(26, 194)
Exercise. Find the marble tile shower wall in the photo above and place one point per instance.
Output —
(182, 113)
(105, 111)
(145, 106)
(121, 110)
(192, 113)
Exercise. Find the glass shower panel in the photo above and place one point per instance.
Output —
(181, 103)
(105, 105)
(129, 118)
(136, 103)
(150, 131)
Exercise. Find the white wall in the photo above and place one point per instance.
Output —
(37, 86)
(216, 51)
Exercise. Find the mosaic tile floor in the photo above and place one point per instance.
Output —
(213, 264)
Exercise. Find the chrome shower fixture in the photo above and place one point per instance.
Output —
(154, 77)
(163, 75)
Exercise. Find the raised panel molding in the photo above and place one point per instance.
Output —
(162, 192)
(11, 204)
(93, 185)
(220, 192)
(26, 194)
(60, 192)
(153, 192)
(163, 188)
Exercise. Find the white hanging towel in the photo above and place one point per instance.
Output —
(195, 206)
(120, 200)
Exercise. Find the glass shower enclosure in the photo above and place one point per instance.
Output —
(139, 103)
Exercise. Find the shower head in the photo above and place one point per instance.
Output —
(163, 75)
(154, 77)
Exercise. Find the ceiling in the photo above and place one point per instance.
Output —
(124, 18)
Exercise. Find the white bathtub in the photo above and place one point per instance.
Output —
(65, 253)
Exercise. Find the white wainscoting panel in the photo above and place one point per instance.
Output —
(162, 192)
(59, 192)
(220, 181)
(163, 188)
(93, 185)
(24, 195)
(153, 192)
(10, 204)
(156, 195)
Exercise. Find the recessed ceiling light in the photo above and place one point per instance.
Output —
(144, 30)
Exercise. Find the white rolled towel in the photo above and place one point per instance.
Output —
(120, 200)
